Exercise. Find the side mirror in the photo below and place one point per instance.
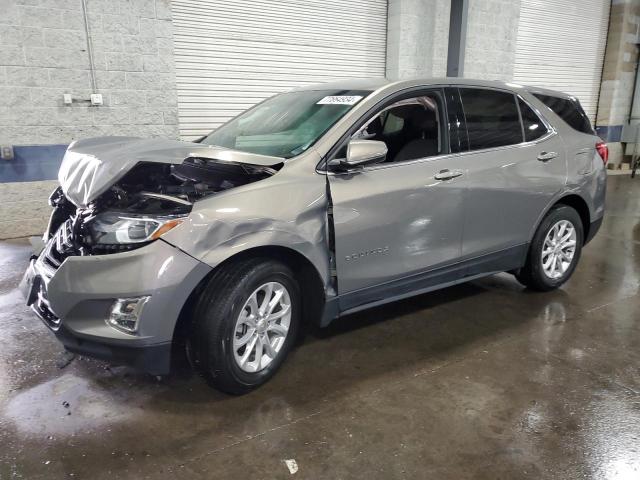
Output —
(361, 153)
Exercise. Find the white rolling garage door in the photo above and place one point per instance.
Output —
(561, 45)
(231, 54)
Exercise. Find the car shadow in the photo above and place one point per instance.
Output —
(424, 330)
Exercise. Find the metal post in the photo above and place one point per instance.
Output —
(457, 38)
(87, 31)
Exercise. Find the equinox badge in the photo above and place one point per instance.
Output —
(367, 253)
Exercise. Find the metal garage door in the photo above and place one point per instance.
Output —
(231, 54)
(561, 45)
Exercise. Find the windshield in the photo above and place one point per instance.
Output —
(287, 124)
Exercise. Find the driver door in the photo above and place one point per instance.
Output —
(398, 223)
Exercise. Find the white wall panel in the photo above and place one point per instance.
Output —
(231, 54)
(561, 45)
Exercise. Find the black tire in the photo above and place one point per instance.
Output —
(532, 274)
(210, 346)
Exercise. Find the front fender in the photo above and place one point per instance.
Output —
(314, 251)
(288, 210)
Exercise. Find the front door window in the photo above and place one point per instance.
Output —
(411, 129)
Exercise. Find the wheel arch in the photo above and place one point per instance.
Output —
(579, 204)
(311, 286)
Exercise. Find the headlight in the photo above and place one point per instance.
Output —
(116, 228)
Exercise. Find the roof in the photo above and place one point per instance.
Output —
(376, 83)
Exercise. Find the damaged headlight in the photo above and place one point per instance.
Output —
(112, 228)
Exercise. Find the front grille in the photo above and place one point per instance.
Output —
(59, 247)
(70, 240)
(41, 305)
(113, 248)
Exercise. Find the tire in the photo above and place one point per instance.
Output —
(534, 274)
(217, 322)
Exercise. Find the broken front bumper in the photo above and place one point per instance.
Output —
(74, 301)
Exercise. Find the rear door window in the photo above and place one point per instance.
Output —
(569, 110)
(534, 128)
(492, 118)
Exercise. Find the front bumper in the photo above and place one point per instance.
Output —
(154, 359)
(74, 301)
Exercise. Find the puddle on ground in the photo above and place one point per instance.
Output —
(68, 405)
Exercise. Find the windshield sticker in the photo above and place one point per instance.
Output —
(340, 100)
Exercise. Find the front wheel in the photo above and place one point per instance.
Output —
(246, 321)
(554, 251)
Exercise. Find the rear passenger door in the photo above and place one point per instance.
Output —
(516, 164)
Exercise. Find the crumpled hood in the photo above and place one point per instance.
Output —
(91, 166)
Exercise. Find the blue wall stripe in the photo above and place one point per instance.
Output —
(609, 133)
(32, 163)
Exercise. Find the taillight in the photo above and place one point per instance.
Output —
(603, 151)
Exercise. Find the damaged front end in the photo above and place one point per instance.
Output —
(115, 196)
(148, 200)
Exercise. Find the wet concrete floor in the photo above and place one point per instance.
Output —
(485, 380)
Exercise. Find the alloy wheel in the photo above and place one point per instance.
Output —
(558, 249)
(262, 327)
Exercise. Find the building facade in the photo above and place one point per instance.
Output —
(179, 69)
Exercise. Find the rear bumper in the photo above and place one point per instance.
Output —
(74, 301)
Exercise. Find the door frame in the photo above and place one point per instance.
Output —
(412, 92)
(413, 283)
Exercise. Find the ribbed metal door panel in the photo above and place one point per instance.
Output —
(561, 45)
(231, 54)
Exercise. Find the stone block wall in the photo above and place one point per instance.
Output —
(24, 210)
(44, 54)
(417, 38)
(492, 33)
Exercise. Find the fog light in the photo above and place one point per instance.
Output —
(125, 313)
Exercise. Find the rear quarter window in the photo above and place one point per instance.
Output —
(533, 126)
(568, 110)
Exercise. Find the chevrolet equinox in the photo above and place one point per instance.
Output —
(313, 204)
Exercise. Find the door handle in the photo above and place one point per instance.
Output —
(447, 174)
(546, 156)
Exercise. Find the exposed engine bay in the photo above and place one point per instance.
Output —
(151, 188)
(147, 199)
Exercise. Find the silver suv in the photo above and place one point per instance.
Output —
(313, 204)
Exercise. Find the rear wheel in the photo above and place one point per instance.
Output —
(246, 321)
(554, 251)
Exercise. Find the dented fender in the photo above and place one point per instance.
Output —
(263, 214)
